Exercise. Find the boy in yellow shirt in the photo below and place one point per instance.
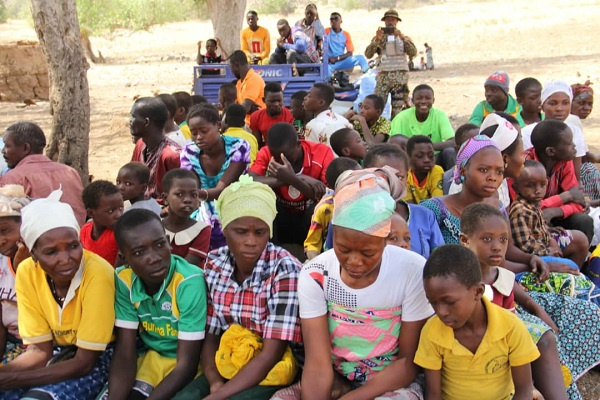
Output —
(234, 119)
(471, 348)
(425, 178)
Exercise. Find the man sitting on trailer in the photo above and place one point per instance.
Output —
(293, 46)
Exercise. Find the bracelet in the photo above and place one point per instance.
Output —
(338, 58)
(205, 191)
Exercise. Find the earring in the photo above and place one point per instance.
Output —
(462, 178)
(505, 165)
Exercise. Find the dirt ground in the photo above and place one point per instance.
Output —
(545, 39)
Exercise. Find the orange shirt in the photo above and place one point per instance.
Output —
(252, 87)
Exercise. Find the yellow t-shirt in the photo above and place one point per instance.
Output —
(506, 344)
(87, 317)
(256, 43)
(248, 137)
(185, 129)
(432, 187)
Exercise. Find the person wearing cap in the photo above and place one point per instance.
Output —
(496, 99)
(392, 72)
(361, 290)
(252, 294)
(341, 48)
(66, 306)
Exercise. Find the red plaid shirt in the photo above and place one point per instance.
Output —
(561, 179)
(266, 302)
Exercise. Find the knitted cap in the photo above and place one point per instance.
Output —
(499, 79)
(246, 198)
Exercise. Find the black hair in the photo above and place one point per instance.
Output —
(474, 215)
(198, 99)
(183, 99)
(272, 87)
(177, 173)
(281, 135)
(339, 139)
(154, 109)
(235, 115)
(252, 12)
(282, 22)
(228, 88)
(415, 140)
(337, 167)
(140, 171)
(336, 13)
(456, 261)
(170, 103)
(206, 112)
(30, 133)
(547, 134)
(526, 84)
(530, 164)
(377, 100)
(130, 220)
(422, 87)
(299, 95)
(325, 92)
(461, 131)
(384, 150)
(238, 57)
(94, 191)
(212, 40)
(507, 117)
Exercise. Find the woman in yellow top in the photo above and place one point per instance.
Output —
(66, 307)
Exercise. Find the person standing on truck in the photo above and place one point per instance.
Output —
(392, 73)
(293, 46)
(341, 48)
(255, 40)
(250, 86)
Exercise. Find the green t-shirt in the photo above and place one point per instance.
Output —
(176, 311)
(483, 109)
(437, 125)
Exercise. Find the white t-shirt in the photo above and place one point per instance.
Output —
(399, 284)
(8, 297)
(320, 128)
(178, 137)
(580, 145)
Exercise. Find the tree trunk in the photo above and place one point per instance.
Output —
(57, 28)
(227, 18)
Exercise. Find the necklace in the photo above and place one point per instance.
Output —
(58, 299)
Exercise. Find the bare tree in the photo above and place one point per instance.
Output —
(57, 28)
(227, 18)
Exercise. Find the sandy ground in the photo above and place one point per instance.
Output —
(470, 39)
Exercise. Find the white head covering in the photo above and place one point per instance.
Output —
(552, 87)
(505, 134)
(43, 215)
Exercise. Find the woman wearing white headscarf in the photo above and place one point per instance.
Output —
(66, 306)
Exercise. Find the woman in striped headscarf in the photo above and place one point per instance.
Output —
(362, 304)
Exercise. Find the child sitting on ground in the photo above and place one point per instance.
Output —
(529, 96)
(274, 112)
(301, 117)
(470, 340)
(372, 126)
(425, 178)
(463, 133)
(12, 200)
(211, 57)
(164, 298)
(318, 101)
(188, 238)
(184, 102)
(132, 181)
(171, 129)
(104, 205)
(346, 142)
(529, 229)
(235, 121)
(315, 242)
(399, 234)
(227, 96)
(496, 99)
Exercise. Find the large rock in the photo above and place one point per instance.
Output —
(23, 72)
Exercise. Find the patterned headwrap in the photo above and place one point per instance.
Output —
(364, 204)
(468, 150)
(581, 92)
(386, 178)
(247, 198)
(12, 200)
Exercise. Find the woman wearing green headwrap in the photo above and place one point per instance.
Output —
(252, 302)
(362, 304)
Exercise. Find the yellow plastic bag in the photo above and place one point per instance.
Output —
(240, 345)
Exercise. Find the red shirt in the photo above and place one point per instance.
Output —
(105, 246)
(317, 157)
(169, 159)
(561, 179)
(260, 121)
